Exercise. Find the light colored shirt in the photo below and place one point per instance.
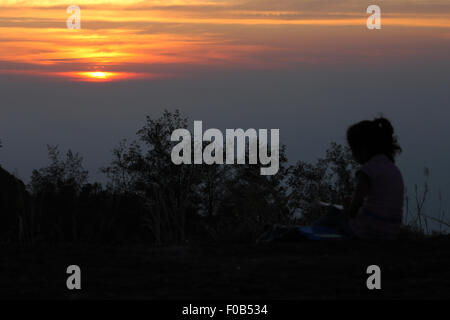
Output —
(380, 216)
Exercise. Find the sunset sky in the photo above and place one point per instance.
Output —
(151, 39)
(309, 68)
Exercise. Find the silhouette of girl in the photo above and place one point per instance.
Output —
(376, 207)
(377, 204)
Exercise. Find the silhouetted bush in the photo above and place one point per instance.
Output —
(331, 180)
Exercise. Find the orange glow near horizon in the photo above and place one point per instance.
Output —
(121, 40)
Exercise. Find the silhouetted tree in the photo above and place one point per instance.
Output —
(252, 201)
(55, 189)
(144, 168)
(60, 174)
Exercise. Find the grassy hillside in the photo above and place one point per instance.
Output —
(409, 269)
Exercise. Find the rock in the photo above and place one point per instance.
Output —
(14, 208)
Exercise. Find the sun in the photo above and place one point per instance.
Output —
(98, 75)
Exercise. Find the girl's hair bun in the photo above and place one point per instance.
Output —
(384, 125)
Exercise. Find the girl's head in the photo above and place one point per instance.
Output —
(369, 138)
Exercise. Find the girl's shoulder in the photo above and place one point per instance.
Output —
(379, 165)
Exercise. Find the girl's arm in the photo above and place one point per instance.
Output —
(362, 187)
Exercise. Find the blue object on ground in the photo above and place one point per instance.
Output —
(320, 233)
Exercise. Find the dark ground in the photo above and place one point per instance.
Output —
(336, 269)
